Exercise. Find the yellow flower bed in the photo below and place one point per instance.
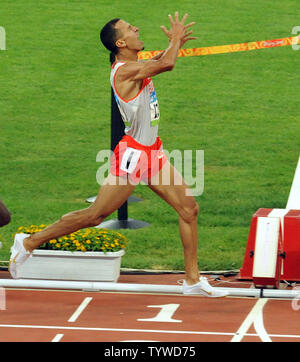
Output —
(91, 239)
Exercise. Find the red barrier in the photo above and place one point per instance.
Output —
(290, 253)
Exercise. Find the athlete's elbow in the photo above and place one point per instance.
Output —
(168, 66)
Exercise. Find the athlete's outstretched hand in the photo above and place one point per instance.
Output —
(178, 28)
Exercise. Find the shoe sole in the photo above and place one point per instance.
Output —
(206, 294)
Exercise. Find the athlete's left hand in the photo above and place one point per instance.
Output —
(187, 32)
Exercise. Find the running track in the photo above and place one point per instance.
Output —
(77, 316)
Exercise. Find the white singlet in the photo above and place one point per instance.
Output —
(140, 114)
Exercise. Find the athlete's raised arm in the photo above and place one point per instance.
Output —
(178, 35)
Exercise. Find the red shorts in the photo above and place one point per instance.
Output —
(137, 161)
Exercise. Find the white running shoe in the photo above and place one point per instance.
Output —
(18, 255)
(203, 288)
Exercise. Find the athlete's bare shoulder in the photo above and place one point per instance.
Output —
(127, 68)
(137, 70)
(125, 83)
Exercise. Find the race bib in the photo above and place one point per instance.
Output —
(154, 107)
(130, 160)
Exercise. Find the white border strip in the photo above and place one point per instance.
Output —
(294, 197)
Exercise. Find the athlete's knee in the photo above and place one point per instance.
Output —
(190, 212)
(83, 218)
(94, 217)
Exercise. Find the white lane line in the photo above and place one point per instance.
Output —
(57, 338)
(80, 309)
(114, 329)
(140, 330)
(255, 317)
(260, 328)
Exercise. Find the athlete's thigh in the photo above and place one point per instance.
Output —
(170, 186)
(112, 194)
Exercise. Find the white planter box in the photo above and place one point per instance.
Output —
(68, 265)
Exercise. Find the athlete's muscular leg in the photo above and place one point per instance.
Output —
(170, 186)
(111, 196)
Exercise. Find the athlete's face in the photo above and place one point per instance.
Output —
(129, 36)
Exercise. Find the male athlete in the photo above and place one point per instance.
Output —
(4, 215)
(139, 155)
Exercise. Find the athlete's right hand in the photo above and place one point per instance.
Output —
(178, 29)
(178, 35)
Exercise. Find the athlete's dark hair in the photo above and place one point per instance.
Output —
(109, 34)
